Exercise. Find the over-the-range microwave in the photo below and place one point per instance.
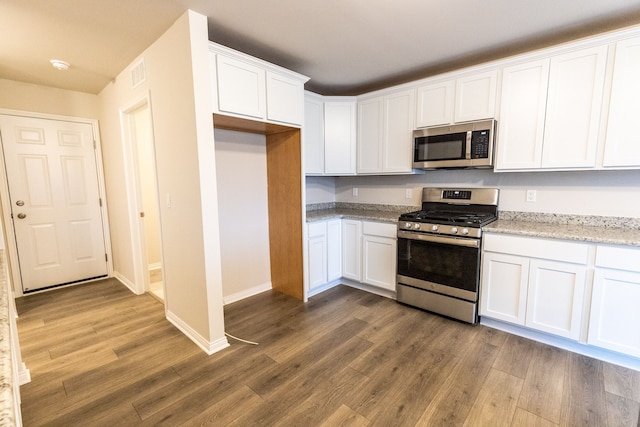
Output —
(464, 145)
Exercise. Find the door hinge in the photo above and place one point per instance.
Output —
(100, 201)
(106, 258)
(94, 144)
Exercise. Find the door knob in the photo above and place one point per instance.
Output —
(20, 203)
(22, 215)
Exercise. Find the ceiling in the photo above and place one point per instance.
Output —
(346, 47)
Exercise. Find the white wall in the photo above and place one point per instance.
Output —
(241, 164)
(603, 193)
(178, 81)
(320, 189)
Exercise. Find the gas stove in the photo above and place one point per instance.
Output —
(460, 212)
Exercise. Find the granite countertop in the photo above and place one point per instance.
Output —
(7, 403)
(589, 229)
(367, 212)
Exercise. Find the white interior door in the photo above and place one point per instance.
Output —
(55, 200)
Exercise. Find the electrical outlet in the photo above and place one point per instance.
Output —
(354, 192)
(408, 193)
(531, 195)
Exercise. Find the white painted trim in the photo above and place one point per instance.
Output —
(326, 286)
(10, 243)
(565, 344)
(208, 347)
(371, 289)
(130, 285)
(24, 375)
(247, 293)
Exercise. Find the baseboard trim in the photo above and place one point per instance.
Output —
(24, 375)
(129, 284)
(208, 347)
(565, 344)
(326, 286)
(372, 289)
(247, 293)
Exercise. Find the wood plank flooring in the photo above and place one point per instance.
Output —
(101, 356)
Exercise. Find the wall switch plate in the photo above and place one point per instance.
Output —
(354, 192)
(531, 195)
(408, 193)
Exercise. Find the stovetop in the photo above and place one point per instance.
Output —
(469, 219)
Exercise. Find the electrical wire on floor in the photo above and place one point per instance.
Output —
(240, 339)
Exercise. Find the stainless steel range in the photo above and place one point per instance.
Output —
(439, 250)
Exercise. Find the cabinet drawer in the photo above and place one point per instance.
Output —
(557, 250)
(618, 257)
(317, 229)
(379, 229)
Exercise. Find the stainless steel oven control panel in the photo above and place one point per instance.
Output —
(451, 230)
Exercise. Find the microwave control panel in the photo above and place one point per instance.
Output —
(480, 144)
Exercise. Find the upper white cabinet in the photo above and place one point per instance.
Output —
(471, 97)
(622, 146)
(615, 317)
(385, 129)
(550, 112)
(248, 87)
(340, 136)
(313, 134)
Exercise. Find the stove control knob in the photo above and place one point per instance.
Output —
(465, 231)
(434, 227)
(416, 226)
(454, 230)
(407, 225)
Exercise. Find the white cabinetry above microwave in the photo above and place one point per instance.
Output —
(248, 87)
(469, 97)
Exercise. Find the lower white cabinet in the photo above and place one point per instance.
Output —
(614, 317)
(351, 249)
(536, 283)
(324, 252)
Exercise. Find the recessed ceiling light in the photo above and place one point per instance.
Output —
(60, 65)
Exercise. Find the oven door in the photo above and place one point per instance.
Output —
(441, 264)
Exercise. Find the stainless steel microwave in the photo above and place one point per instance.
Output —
(464, 145)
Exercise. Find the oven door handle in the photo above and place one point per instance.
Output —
(470, 243)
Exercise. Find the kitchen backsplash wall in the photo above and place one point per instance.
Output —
(603, 193)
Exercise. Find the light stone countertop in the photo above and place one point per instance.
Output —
(7, 403)
(365, 212)
(589, 229)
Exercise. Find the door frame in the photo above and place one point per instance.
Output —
(11, 246)
(134, 196)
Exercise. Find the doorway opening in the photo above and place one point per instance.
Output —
(142, 187)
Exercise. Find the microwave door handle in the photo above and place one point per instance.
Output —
(468, 146)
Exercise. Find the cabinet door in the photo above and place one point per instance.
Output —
(555, 297)
(522, 112)
(313, 135)
(370, 128)
(340, 137)
(284, 99)
(399, 112)
(476, 97)
(379, 261)
(622, 146)
(317, 254)
(504, 287)
(241, 87)
(574, 103)
(614, 318)
(435, 104)
(351, 245)
(334, 250)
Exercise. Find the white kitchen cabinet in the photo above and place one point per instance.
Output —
(285, 98)
(614, 317)
(324, 253)
(466, 98)
(622, 145)
(385, 133)
(574, 105)
(522, 112)
(379, 255)
(352, 249)
(340, 136)
(241, 87)
(535, 283)
(550, 112)
(313, 134)
(248, 87)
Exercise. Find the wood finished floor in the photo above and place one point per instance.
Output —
(99, 355)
